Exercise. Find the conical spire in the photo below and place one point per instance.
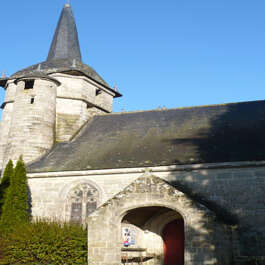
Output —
(65, 44)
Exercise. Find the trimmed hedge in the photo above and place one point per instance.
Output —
(44, 243)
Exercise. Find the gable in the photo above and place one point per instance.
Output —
(203, 233)
(150, 190)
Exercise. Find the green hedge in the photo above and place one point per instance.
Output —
(44, 243)
(5, 182)
(16, 208)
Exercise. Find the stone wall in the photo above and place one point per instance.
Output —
(235, 192)
(29, 121)
(70, 116)
(104, 100)
(6, 122)
(6, 117)
(50, 193)
(76, 103)
(206, 241)
(11, 89)
(57, 114)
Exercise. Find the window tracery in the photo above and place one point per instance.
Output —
(83, 200)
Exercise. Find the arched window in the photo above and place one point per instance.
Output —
(83, 200)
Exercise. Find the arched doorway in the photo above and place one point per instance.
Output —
(173, 237)
(152, 234)
(150, 204)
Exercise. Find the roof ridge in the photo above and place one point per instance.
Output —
(181, 108)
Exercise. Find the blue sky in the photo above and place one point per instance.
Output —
(170, 53)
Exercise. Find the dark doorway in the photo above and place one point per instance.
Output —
(173, 236)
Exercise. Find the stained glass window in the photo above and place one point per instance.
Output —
(83, 200)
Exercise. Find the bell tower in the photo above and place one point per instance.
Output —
(49, 102)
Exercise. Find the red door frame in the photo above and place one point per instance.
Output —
(173, 237)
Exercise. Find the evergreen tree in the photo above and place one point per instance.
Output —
(15, 210)
(5, 182)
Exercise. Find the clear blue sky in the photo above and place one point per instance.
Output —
(170, 53)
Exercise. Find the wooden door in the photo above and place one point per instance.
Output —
(173, 236)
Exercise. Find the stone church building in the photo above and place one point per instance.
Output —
(173, 187)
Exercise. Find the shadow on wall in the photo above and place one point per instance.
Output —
(234, 195)
(207, 243)
(145, 203)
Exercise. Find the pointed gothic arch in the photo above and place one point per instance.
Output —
(81, 199)
(200, 226)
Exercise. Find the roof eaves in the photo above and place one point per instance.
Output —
(3, 82)
(38, 76)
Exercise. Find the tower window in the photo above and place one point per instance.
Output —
(29, 84)
(88, 106)
(98, 92)
(32, 100)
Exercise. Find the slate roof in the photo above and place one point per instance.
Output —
(207, 134)
(60, 66)
(65, 44)
(64, 54)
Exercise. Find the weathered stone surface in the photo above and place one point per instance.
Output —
(29, 130)
(111, 213)
(221, 203)
(34, 119)
(235, 201)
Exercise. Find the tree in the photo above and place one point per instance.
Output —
(5, 182)
(15, 210)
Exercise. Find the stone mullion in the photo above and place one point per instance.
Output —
(84, 201)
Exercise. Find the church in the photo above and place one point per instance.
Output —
(175, 186)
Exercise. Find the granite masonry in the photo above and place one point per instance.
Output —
(179, 186)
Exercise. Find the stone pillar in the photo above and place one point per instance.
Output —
(104, 247)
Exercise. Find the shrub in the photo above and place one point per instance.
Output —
(5, 182)
(43, 243)
(15, 210)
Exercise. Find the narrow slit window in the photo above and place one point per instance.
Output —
(29, 84)
(98, 92)
(32, 100)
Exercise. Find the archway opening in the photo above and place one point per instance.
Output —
(152, 234)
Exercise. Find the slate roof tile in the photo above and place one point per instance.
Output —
(208, 134)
